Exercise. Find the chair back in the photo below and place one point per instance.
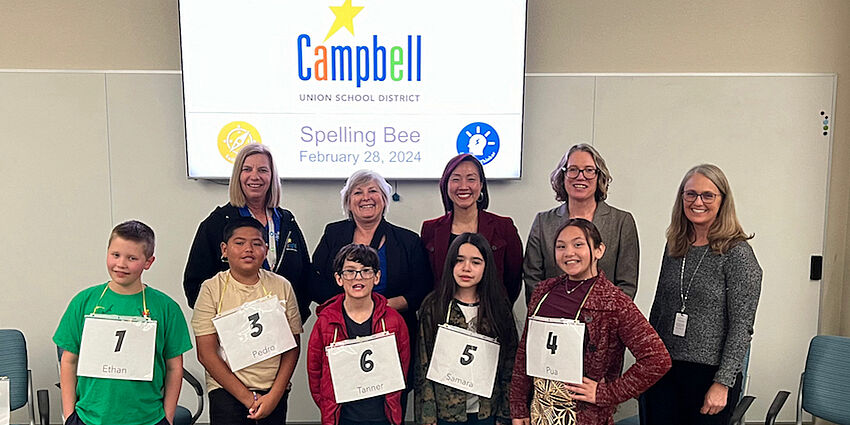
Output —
(13, 363)
(826, 380)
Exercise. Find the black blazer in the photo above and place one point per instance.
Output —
(205, 256)
(408, 270)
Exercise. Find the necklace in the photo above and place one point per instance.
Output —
(570, 291)
(684, 292)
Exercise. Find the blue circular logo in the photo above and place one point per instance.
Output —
(479, 139)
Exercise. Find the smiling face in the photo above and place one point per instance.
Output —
(580, 188)
(358, 287)
(464, 185)
(125, 261)
(245, 251)
(698, 212)
(255, 177)
(366, 202)
(469, 266)
(575, 254)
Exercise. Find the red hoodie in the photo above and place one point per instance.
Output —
(330, 319)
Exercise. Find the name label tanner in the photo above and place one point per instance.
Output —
(370, 388)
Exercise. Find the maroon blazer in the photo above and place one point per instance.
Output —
(499, 231)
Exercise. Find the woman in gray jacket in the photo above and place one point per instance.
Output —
(581, 182)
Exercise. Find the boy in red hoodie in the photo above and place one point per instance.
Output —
(357, 312)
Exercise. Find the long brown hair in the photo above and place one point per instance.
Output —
(495, 317)
(725, 231)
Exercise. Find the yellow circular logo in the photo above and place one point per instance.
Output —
(235, 136)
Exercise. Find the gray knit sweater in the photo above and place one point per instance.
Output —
(721, 307)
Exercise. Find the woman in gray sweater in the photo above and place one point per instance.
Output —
(705, 304)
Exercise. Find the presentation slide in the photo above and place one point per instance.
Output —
(331, 86)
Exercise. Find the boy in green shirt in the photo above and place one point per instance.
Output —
(133, 400)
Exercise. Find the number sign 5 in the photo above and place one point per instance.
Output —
(472, 368)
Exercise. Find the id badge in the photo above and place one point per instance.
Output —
(117, 347)
(680, 324)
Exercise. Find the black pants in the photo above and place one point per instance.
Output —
(343, 421)
(75, 420)
(678, 396)
(227, 410)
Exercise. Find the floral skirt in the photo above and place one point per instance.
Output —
(552, 404)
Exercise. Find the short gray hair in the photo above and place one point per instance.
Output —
(362, 177)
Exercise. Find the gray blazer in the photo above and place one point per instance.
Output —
(619, 233)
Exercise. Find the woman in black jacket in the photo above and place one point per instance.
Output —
(254, 192)
(405, 271)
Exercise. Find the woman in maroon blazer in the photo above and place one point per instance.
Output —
(463, 188)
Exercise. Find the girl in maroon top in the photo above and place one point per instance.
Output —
(612, 321)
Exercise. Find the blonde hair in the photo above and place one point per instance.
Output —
(237, 196)
(725, 231)
(362, 177)
(603, 176)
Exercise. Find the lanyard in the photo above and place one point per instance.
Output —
(145, 313)
(271, 256)
(683, 293)
(273, 225)
(223, 290)
(579, 307)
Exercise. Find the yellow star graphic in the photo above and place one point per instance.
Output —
(344, 18)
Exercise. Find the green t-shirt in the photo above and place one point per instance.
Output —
(111, 401)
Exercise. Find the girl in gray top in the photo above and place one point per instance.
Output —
(705, 304)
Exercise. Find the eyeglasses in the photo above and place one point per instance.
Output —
(707, 197)
(353, 274)
(572, 172)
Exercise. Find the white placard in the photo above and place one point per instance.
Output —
(117, 347)
(253, 332)
(554, 349)
(464, 360)
(365, 367)
(5, 400)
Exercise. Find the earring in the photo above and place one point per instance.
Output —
(480, 197)
(223, 259)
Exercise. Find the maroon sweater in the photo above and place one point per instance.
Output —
(613, 323)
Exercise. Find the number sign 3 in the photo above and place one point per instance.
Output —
(253, 332)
